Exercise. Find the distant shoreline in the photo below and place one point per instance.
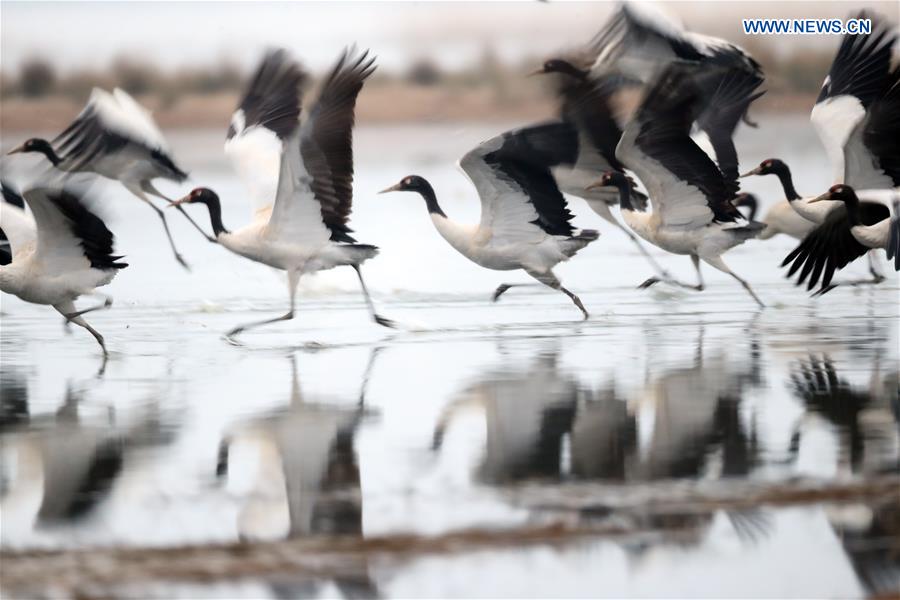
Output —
(381, 104)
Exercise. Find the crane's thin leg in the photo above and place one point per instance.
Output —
(718, 263)
(68, 308)
(107, 302)
(501, 289)
(140, 194)
(877, 276)
(293, 279)
(674, 282)
(551, 281)
(696, 260)
(148, 187)
(375, 316)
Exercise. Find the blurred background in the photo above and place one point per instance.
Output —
(438, 61)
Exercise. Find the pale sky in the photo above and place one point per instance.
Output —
(173, 34)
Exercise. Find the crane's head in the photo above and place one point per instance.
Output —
(559, 65)
(37, 145)
(200, 195)
(612, 179)
(410, 183)
(32, 145)
(414, 183)
(839, 192)
(769, 166)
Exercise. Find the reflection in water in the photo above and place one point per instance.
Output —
(528, 412)
(861, 413)
(542, 423)
(58, 469)
(304, 476)
(694, 405)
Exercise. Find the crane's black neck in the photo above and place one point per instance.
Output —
(44, 147)
(215, 215)
(424, 188)
(625, 195)
(851, 201)
(750, 202)
(787, 182)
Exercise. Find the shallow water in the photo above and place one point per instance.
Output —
(652, 432)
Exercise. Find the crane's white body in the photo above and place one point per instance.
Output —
(48, 264)
(782, 218)
(534, 252)
(287, 231)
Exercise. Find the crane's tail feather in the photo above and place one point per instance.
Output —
(581, 238)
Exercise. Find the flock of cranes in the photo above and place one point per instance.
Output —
(298, 168)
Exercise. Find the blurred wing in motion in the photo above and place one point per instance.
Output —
(69, 236)
(116, 137)
(831, 246)
(267, 115)
(729, 98)
(686, 187)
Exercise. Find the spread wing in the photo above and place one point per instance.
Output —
(856, 112)
(115, 128)
(831, 245)
(69, 235)
(520, 201)
(729, 96)
(326, 141)
(686, 188)
(268, 113)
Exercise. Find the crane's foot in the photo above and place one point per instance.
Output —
(231, 336)
(500, 291)
(825, 290)
(182, 262)
(649, 282)
(385, 322)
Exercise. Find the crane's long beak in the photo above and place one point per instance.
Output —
(825, 196)
(179, 202)
(17, 149)
(540, 71)
(595, 185)
(394, 188)
(755, 171)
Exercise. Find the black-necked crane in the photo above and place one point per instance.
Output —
(586, 139)
(115, 137)
(780, 217)
(857, 117)
(844, 236)
(638, 43)
(585, 102)
(302, 228)
(691, 198)
(525, 221)
(59, 252)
